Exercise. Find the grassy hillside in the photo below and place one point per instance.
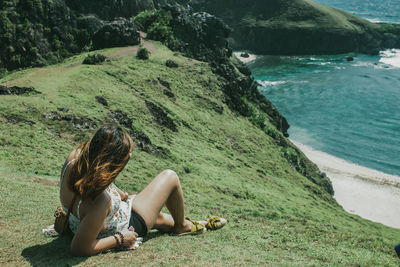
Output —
(227, 166)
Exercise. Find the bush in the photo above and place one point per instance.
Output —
(94, 59)
(157, 24)
(159, 32)
(143, 53)
(144, 20)
(171, 64)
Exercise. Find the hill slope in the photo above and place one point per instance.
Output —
(178, 117)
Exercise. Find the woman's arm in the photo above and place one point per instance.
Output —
(85, 243)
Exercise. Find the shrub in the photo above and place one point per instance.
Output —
(171, 64)
(159, 32)
(157, 24)
(144, 20)
(143, 53)
(94, 59)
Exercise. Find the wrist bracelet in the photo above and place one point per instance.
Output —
(116, 239)
(122, 238)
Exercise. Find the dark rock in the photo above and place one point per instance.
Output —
(164, 83)
(16, 90)
(349, 59)
(245, 55)
(122, 118)
(101, 100)
(64, 109)
(120, 32)
(15, 120)
(142, 141)
(94, 59)
(186, 169)
(169, 94)
(171, 64)
(80, 123)
(200, 35)
(161, 117)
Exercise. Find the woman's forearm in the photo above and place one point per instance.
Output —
(103, 244)
(99, 245)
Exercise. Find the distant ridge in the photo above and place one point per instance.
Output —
(298, 27)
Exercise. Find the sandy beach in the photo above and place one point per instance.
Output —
(368, 193)
(245, 60)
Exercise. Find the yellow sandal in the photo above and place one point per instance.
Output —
(215, 222)
(197, 228)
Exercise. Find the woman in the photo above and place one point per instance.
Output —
(104, 217)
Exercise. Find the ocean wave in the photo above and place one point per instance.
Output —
(271, 83)
(375, 20)
(391, 57)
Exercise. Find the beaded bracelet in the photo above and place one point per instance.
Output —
(121, 236)
(116, 239)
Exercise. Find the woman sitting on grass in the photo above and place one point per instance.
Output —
(104, 217)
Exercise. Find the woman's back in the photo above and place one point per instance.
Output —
(119, 211)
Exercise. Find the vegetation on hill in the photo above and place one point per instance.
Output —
(179, 119)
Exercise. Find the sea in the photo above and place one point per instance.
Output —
(347, 109)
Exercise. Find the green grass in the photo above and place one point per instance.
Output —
(227, 167)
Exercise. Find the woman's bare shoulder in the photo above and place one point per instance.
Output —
(74, 154)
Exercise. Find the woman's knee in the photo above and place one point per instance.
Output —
(171, 176)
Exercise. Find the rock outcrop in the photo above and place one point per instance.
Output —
(119, 32)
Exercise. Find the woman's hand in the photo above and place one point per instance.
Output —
(124, 196)
(130, 237)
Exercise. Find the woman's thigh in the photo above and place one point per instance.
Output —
(151, 199)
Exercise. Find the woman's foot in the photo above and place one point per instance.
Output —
(190, 227)
(215, 222)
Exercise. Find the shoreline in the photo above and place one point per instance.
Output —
(371, 194)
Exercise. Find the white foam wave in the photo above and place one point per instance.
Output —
(245, 60)
(271, 83)
(375, 20)
(391, 57)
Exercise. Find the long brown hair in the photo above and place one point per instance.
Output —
(100, 160)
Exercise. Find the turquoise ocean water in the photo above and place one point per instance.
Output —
(350, 110)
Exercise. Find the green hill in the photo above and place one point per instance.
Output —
(180, 119)
(298, 27)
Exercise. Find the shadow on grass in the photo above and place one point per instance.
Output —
(54, 253)
(153, 234)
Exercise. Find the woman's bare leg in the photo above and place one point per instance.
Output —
(164, 189)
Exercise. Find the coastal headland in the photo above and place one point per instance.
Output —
(191, 106)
